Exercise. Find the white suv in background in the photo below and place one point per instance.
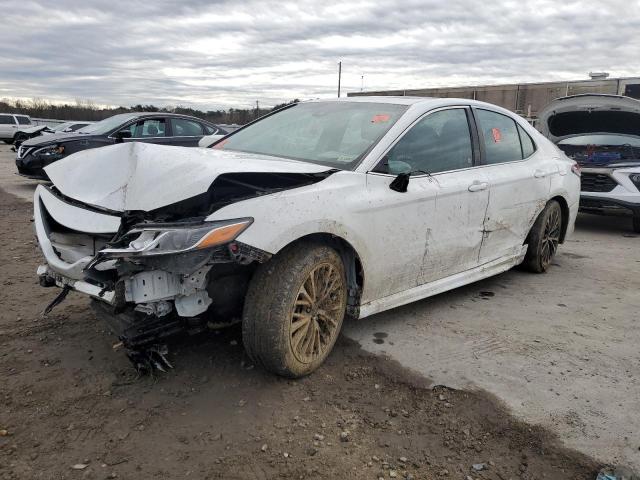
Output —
(601, 133)
(9, 125)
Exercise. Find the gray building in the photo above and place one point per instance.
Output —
(525, 99)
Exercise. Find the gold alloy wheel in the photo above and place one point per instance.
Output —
(317, 313)
(551, 236)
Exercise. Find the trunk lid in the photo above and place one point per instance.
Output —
(144, 176)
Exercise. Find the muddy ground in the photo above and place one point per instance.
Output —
(72, 407)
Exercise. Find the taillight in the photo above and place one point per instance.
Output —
(575, 168)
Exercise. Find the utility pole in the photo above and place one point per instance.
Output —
(361, 83)
(339, 76)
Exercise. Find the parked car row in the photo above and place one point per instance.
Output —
(160, 128)
(25, 133)
(319, 211)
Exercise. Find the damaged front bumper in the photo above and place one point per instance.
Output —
(153, 274)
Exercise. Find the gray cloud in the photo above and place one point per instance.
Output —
(231, 53)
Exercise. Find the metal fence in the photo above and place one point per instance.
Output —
(526, 99)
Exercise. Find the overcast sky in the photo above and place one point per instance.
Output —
(232, 53)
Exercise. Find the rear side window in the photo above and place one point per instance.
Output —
(6, 120)
(501, 139)
(210, 130)
(185, 128)
(528, 147)
(23, 120)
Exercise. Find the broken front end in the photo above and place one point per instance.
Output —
(151, 274)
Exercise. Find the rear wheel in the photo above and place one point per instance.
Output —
(294, 310)
(544, 238)
(636, 222)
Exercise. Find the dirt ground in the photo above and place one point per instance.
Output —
(72, 407)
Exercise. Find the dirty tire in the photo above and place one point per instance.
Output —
(8, 142)
(20, 138)
(544, 238)
(636, 223)
(277, 304)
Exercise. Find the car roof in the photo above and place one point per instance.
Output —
(168, 114)
(398, 100)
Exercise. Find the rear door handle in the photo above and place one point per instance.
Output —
(478, 186)
(542, 173)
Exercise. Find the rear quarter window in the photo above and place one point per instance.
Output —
(528, 147)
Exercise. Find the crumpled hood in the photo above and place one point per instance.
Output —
(577, 115)
(144, 176)
(33, 129)
(54, 138)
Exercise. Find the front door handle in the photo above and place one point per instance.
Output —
(478, 186)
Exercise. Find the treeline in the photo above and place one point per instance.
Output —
(87, 110)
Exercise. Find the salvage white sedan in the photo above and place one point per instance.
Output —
(320, 211)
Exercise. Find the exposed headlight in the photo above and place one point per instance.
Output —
(164, 240)
(49, 152)
(635, 178)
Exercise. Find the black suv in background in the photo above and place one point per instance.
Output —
(161, 128)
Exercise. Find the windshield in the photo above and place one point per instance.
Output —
(604, 139)
(335, 134)
(108, 124)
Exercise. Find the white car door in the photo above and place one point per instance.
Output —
(8, 126)
(434, 228)
(519, 179)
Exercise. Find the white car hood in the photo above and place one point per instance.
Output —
(144, 176)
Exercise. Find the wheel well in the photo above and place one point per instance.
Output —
(352, 263)
(564, 207)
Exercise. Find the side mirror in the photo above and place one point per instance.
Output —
(398, 167)
(122, 134)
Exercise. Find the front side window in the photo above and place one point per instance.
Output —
(439, 142)
(181, 127)
(152, 127)
(22, 120)
(501, 139)
(335, 134)
(6, 120)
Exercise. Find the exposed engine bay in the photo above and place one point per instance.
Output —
(156, 273)
(600, 155)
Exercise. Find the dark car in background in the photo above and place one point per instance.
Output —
(160, 128)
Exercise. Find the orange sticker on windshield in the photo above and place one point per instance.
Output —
(497, 136)
(380, 118)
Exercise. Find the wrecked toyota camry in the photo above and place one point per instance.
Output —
(320, 211)
(602, 133)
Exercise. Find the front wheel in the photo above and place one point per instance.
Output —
(544, 238)
(636, 222)
(294, 309)
(20, 138)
